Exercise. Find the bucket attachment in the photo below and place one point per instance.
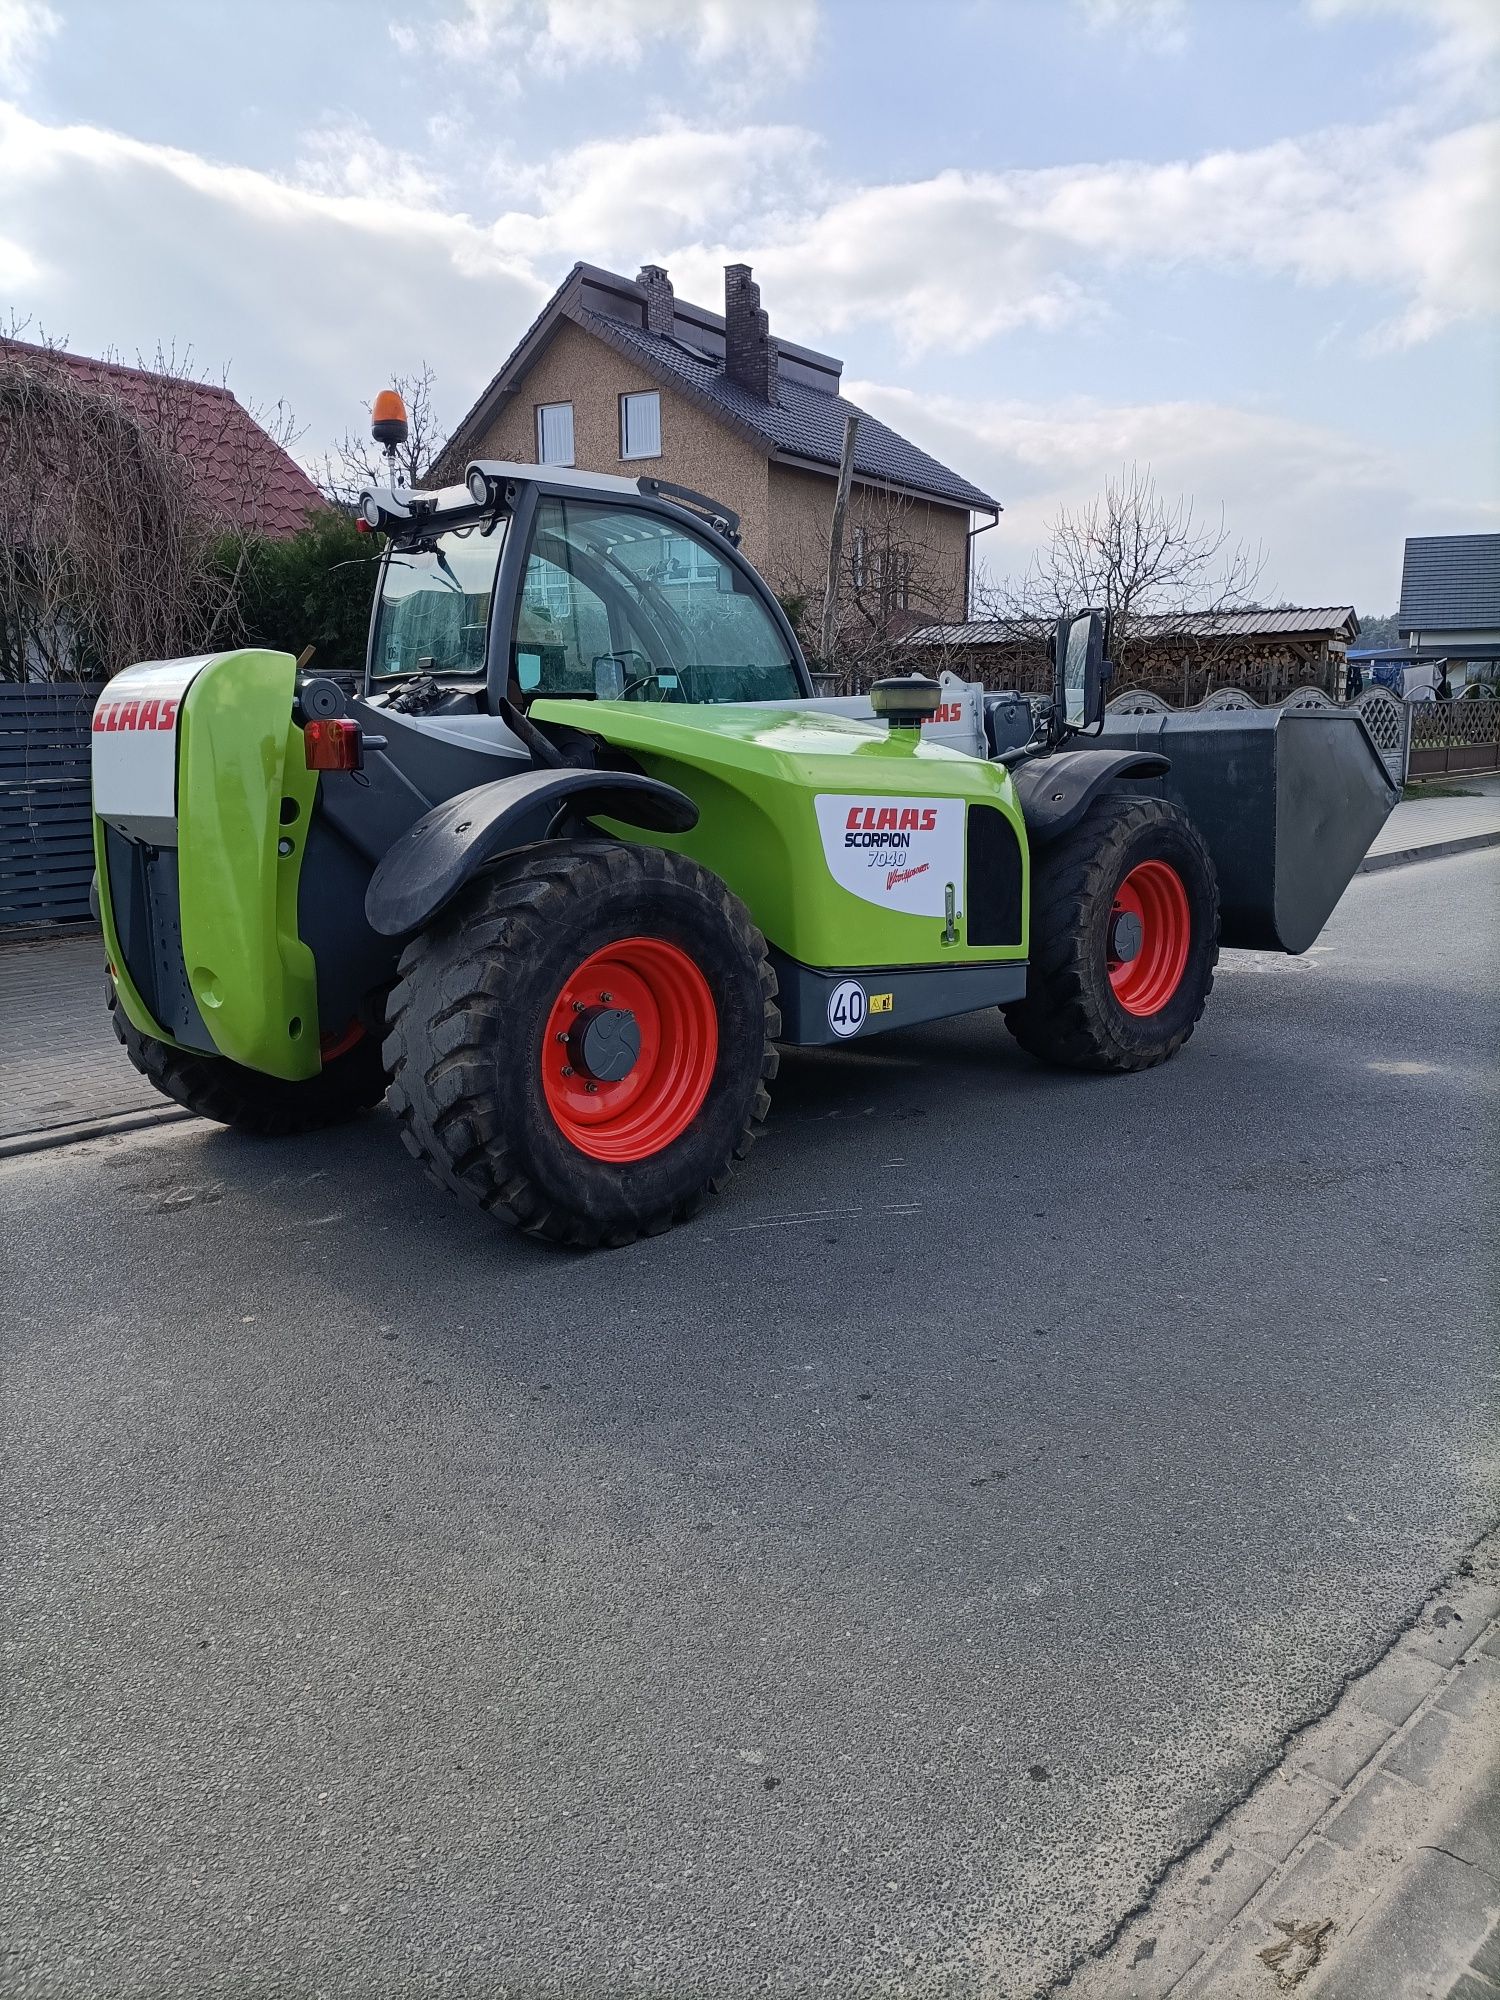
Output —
(1287, 800)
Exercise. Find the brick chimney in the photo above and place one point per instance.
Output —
(750, 354)
(660, 299)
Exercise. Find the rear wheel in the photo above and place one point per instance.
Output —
(1124, 939)
(350, 1081)
(581, 1045)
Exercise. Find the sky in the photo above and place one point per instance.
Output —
(1254, 244)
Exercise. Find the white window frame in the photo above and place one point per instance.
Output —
(543, 411)
(628, 397)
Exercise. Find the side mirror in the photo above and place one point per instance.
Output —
(609, 677)
(1079, 670)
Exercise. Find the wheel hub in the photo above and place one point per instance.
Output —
(605, 1043)
(1150, 931)
(1126, 935)
(629, 1049)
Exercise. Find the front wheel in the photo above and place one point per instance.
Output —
(1124, 939)
(582, 1043)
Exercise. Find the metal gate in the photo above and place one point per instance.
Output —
(1454, 736)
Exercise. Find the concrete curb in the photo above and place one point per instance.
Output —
(1366, 1862)
(49, 1137)
(1433, 851)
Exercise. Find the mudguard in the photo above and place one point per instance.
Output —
(430, 863)
(1055, 792)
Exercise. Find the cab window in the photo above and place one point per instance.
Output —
(630, 606)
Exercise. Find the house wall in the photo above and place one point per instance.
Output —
(696, 450)
(801, 509)
(1454, 641)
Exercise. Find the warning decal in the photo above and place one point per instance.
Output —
(900, 854)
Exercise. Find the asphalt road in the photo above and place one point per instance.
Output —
(866, 1589)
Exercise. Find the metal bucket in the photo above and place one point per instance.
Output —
(1288, 801)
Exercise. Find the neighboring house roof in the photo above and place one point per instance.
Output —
(804, 426)
(1450, 583)
(240, 473)
(1331, 621)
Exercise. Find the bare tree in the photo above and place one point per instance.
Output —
(109, 551)
(893, 576)
(1147, 562)
(357, 463)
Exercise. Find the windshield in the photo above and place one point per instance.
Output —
(435, 604)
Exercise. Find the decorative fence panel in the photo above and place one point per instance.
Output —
(1387, 719)
(46, 848)
(1454, 736)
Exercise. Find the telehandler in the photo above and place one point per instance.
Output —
(585, 847)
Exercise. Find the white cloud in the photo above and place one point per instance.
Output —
(554, 36)
(640, 197)
(310, 294)
(1463, 35)
(344, 156)
(26, 26)
(956, 259)
(1328, 510)
(1161, 25)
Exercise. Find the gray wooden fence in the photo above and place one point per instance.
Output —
(46, 853)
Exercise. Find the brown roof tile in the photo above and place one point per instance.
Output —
(239, 471)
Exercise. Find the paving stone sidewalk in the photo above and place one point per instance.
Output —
(1367, 1865)
(61, 1068)
(1419, 823)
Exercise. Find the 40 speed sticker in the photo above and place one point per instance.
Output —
(900, 854)
(847, 1008)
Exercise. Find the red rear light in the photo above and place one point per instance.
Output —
(333, 746)
(362, 526)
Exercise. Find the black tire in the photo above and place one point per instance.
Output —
(470, 1012)
(268, 1106)
(1071, 1015)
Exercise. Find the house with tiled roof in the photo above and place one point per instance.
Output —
(1450, 596)
(620, 375)
(243, 477)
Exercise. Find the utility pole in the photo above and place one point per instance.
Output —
(836, 539)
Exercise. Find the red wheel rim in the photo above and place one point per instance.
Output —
(643, 1111)
(1150, 929)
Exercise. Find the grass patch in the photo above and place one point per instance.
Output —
(1423, 791)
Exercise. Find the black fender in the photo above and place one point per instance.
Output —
(1056, 791)
(431, 862)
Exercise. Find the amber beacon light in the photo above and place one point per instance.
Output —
(388, 424)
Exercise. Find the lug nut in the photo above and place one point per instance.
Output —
(577, 1006)
(560, 1036)
(567, 1069)
(606, 998)
(592, 1089)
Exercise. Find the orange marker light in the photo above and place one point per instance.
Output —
(334, 744)
(388, 425)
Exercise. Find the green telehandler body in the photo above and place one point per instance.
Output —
(583, 848)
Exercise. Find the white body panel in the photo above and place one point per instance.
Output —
(134, 742)
(900, 854)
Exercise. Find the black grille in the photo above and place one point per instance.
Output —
(992, 898)
(148, 922)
